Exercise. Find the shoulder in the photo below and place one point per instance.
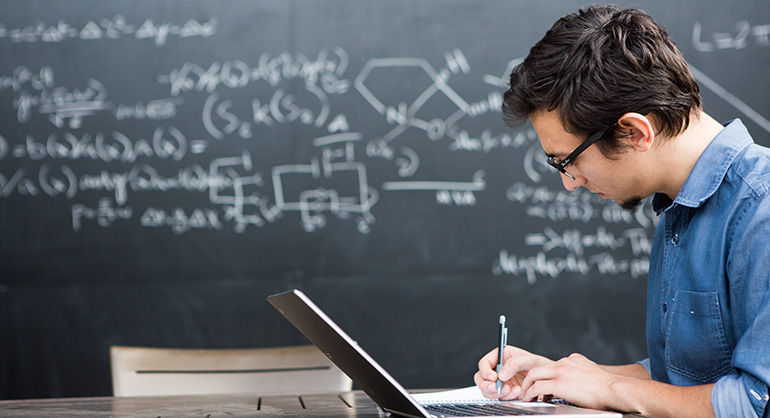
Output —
(751, 172)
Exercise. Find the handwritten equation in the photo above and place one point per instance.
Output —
(573, 244)
(115, 28)
(743, 35)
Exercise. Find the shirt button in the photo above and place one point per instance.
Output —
(665, 308)
(675, 239)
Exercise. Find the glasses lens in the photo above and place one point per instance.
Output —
(559, 166)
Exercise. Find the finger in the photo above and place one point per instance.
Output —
(510, 393)
(478, 379)
(487, 365)
(521, 363)
(539, 390)
(538, 374)
(488, 387)
(483, 384)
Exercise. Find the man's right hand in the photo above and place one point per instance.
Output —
(516, 365)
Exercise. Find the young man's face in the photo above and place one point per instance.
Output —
(617, 178)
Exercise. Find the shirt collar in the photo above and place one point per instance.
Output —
(710, 169)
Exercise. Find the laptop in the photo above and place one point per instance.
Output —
(384, 390)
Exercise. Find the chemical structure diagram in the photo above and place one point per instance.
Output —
(340, 183)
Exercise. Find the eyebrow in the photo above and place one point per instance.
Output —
(554, 155)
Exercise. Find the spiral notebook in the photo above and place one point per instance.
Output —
(385, 391)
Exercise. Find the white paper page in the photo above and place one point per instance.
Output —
(471, 394)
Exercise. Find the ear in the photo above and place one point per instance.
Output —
(640, 133)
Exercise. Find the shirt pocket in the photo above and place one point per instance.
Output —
(696, 346)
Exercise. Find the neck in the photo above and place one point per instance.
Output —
(685, 150)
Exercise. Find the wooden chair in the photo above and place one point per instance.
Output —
(142, 371)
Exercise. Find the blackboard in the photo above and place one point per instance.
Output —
(166, 165)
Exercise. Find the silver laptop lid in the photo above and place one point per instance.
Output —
(377, 383)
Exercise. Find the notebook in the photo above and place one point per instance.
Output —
(384, 390)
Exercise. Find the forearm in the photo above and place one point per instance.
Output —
(651, 398)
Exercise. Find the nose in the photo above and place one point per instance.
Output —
(572, 184)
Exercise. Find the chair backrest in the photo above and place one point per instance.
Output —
(143, 371)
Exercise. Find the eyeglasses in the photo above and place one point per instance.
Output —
(574, 154)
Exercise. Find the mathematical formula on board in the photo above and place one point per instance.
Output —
(233, 181)
(107, 153)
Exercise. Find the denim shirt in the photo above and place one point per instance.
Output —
(708, 299)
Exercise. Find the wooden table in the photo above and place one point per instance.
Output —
(327, 405)
(348, 404)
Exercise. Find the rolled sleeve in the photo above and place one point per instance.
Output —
(740, 395)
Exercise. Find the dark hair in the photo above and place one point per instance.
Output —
(595, 65)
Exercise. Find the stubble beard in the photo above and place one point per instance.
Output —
(632, 205)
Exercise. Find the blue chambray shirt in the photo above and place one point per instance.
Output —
(708, 299)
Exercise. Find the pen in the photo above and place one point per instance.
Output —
(503, 340)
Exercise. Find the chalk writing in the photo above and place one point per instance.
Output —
(154, 109)
(23, 77)
(486, 142)
(576, 241)
(37, 93)
(447, 192)
(328, 177)
(743, 33)
(110, 29)
(323, 71)
(105, 215)
(165, 143)
(580, 205)
(179, 221)
(542, 265)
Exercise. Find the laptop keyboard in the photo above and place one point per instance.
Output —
(471, 410)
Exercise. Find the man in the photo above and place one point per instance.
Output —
(618, 112)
